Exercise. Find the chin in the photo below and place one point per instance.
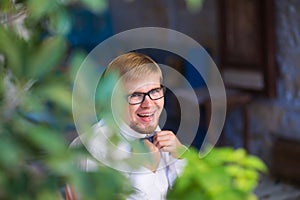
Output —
(144, 129)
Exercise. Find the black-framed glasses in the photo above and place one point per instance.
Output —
(139, 97)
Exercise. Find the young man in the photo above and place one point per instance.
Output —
(141, 79)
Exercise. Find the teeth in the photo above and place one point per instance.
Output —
(146, 115)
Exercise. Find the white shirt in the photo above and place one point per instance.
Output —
(148, 185)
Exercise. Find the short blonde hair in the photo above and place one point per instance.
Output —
(133, 66)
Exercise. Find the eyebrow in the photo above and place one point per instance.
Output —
(134, 92)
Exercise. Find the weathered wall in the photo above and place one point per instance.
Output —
(280, 116)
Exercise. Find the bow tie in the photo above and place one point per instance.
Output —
(150, 138)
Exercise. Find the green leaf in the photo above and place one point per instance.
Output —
(182, 184)
(222, 174)
(96, 6)
(75, 62)
(47, 140)
(38, 9)
(251, 197)
(245, 185)
(47, 56)
(238, 155)
(231, 194)
(235, 170)
(215, 181)
(9, 152)
(62, 164)
(32, 103)
(5, 6)
(58, 93)
(255, 163)
(49, 195)
(60, 22)
(110, 95)
(104, 183)
(12, 47)
(1, 87)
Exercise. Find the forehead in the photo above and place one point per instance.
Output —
(142, 84)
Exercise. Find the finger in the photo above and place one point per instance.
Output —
(164, 135)
(162, 144)
(161, 133)
(167, 149)
(164, 149)
(158, 140)
(152, 147)
(161, 138)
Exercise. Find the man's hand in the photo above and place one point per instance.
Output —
(154, 154)
(168, 142)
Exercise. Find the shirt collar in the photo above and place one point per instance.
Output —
(128, 133)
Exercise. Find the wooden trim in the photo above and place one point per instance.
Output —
(258, 34)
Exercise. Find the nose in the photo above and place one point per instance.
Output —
(147, 101)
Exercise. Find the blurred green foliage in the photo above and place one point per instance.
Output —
(194, 5)
(35, 106)
(224, 173)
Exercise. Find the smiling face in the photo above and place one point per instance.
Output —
(139, 74)
(144, 117)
